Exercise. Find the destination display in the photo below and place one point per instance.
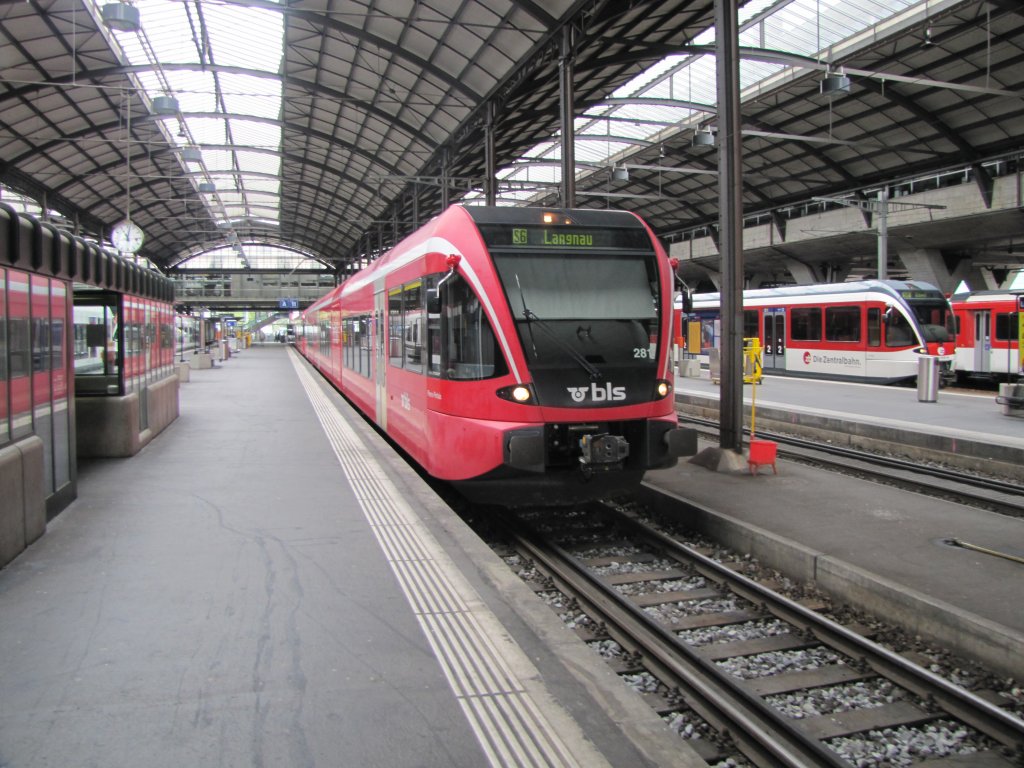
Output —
(567, 237)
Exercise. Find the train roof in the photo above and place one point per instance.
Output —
(894, 288)
(1009, 293)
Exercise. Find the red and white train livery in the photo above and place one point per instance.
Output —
(990, 330)
(871, 331)
(521, 353)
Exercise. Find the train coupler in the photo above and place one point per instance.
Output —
(603, 451)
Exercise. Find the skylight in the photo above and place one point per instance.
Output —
(684, 83)
(229, 103)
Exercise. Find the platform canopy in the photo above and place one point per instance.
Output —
(335, 127)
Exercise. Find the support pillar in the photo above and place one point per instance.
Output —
(928, 265)
(730, 193)
(567, 96)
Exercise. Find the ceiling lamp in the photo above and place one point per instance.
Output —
(620, 173)
(191, 155)
(703, 137)
(928, 41)
(834, 83)
(165, 105)
(207, 187)
(121, 17)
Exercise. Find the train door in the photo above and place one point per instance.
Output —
(380, 329)
(774, 352)
(982, 341)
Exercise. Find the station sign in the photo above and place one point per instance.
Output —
(287, 303)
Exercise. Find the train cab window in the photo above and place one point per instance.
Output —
(898, 332)
(842, 324)
(805, 323)
(469, 349)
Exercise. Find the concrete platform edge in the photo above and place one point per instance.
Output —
(1005, 460)
(959, 631)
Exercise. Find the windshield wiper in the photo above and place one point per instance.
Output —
(531, 317)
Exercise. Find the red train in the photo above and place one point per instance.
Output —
(989, 332)
(522, 354)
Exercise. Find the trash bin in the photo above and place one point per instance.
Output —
(927, 379)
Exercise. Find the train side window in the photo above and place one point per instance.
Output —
(395, 327)
(412, 306)
(1003, 327)
(470, 350)
(433, 311)
(751, 323)
(842, 324)
(805, 324)
(874, 327)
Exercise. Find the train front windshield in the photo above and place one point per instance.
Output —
(934, 316)
(593, 318)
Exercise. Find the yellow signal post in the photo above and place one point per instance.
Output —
(752, 361)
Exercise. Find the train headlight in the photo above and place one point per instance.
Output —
(663, 388)
(518, 393)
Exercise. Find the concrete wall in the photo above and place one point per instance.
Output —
(108, 427)
(23, 511)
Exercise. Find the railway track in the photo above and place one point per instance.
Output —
(967, 488)
(765, 678)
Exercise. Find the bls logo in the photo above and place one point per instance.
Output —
(597, 394)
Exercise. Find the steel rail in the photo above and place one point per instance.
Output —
(762, 734)
(1003, 727)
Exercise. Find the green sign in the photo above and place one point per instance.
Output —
(563, 236)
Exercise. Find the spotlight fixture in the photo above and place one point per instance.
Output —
(620, 173)
(703, 137)
(207, 187)
(191, 155)
(165, 105)
(834, 83)
(121, 17)
(928, 41)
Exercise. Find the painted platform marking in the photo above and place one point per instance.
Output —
(506, 721)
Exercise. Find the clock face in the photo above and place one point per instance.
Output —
(126, 237)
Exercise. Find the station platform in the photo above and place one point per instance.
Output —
(965, 429)
(269, 584)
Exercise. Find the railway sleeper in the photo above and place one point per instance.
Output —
(819, 677)
(719, 651)
(837, 724)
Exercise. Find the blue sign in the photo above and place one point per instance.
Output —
(287, 303)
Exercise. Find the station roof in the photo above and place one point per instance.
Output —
(330, 126)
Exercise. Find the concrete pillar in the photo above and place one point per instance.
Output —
(980, 279)
(927, 264)
(804, 274)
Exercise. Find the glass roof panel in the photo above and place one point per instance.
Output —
(797, 26)
(218, 109)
